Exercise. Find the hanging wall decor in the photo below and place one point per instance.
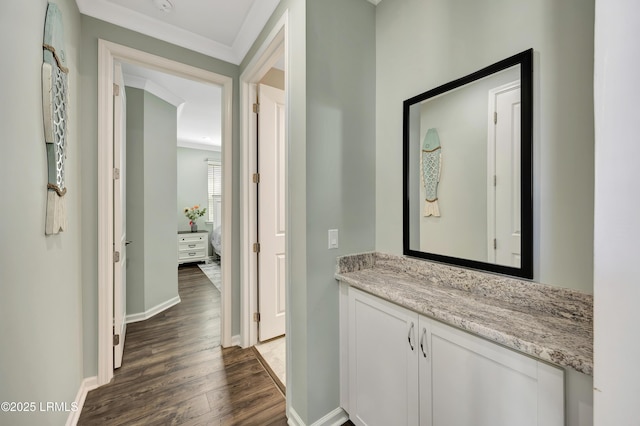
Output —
(431, 166)
(54, 106)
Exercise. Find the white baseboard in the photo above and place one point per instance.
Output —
(88, 384)
(335, 418)
(153, 311)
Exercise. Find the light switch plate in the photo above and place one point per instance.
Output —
(333, 238)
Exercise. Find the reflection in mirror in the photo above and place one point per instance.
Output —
(467, 170)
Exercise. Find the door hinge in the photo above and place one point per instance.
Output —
(495, 118)
(495, 180)
(256, 247)
(116, 339)
(116, 173)
(495, 244)
(256, 316)
(116, 90)
(256, 108)
(256, 178)
(116, 256)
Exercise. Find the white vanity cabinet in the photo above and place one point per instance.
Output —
(383, 362)
(407, 369)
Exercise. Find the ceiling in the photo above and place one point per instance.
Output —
(199, 113)
(224, 29)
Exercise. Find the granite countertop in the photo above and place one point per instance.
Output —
(551, 323)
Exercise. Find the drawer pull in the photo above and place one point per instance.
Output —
(192, 254)
(192, 245)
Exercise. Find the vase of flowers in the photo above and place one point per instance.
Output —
(193, 213)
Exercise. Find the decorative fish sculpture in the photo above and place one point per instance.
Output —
(431, 166)
(54, 105)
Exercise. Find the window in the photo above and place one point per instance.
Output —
(214, 193)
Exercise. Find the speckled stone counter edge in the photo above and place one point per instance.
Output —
(548, 300)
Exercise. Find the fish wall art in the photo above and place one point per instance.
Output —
(430, 168)
(54, 103)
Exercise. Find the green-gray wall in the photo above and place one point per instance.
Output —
(135, 200)
(331, 179)
(152, 276)
(192, 185)
(421, 44)
(92, 30)
(40, 276)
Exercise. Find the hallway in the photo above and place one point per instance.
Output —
(175, 372)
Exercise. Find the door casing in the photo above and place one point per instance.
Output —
(108, 53)
(273, 48)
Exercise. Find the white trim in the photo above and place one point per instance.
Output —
(154, 88)
(252, 26)
(142, 316)
(136, 21)
(183, 143)
(335, 418)
(293, 419)
(88, 384)
(270, 51)
(108, 53)
(491, 165)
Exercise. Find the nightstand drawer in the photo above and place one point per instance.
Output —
(191, 255)
(190, 238)
(191, 245)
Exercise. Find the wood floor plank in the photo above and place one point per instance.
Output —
(175, 373)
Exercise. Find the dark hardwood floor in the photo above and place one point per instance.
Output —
(175, 373)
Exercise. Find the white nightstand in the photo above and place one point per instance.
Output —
(192, 246)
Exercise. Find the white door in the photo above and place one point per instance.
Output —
(119, 217)
(504, 175)
(271, 212)
(383, 364)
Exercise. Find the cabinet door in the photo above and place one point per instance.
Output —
(424, 371)
(383, 366)
(479, 383)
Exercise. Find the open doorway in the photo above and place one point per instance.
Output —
(264, 158)
(172, 173)
(108, 55)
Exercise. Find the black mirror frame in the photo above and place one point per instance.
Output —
(525, 60)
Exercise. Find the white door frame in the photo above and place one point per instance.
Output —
(274, 47)
(108, 53)
(491, 164)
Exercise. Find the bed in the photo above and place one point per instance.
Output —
(216, 240)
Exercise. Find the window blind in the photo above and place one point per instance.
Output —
(214, 191)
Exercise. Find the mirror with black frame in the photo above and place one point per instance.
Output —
(467, 154)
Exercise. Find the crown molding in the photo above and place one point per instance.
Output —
(183, 143)
(153, 88)
(135, 21)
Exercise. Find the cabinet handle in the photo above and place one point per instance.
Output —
(409, 336)
(192, 254)
(422, 342)
(192, 245)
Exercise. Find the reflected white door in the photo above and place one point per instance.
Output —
(271, 213)
(119, 217)
(505, 199)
